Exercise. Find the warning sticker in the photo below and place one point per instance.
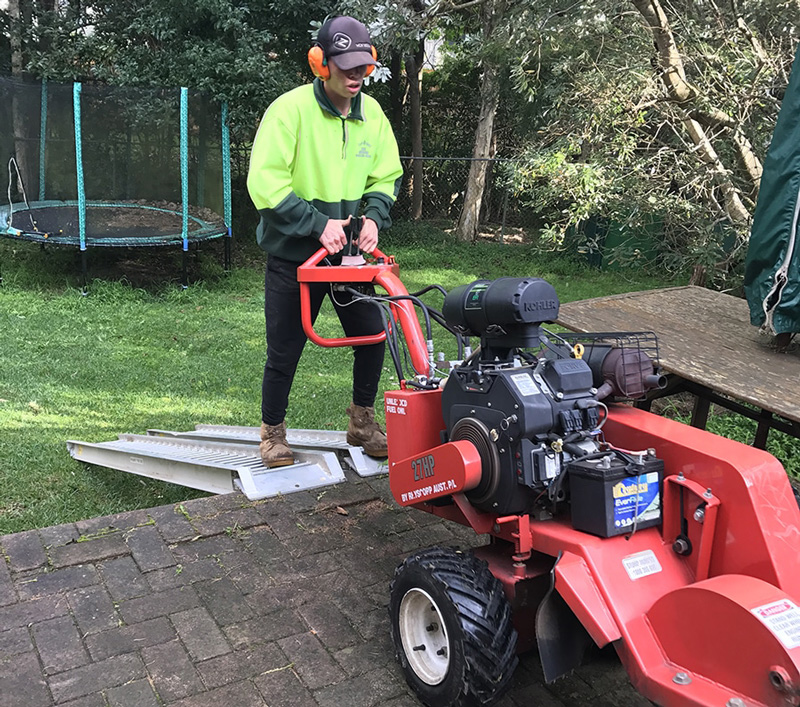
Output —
(525, 384)
(783, 619)
(641, 564)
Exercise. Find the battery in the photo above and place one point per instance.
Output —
(610, 496)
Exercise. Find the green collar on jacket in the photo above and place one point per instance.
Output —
(326, 105)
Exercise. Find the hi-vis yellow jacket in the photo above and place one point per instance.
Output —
(310, 164)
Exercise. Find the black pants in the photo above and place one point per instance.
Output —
(286, 338)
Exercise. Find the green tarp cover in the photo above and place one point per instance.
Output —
(772, 268)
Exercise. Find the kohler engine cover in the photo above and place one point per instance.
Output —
(512, 414)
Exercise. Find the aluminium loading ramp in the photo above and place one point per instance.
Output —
(329, 440)
(224, 458)
(215, 467)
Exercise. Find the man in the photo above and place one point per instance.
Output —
(321, 151)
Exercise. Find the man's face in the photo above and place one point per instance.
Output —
(345, 84)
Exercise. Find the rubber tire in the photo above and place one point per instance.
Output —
(477, 616)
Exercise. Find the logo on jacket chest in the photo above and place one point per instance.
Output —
(364, 149)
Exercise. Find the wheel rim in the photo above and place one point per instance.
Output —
(424, 636)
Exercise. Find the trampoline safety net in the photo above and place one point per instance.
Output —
(95, 165)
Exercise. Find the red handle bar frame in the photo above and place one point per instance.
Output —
(384, 274)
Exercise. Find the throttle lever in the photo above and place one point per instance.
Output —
(353, 255)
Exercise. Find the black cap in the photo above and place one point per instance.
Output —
(346, 41)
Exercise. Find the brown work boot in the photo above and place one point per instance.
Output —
(363, 431)
(274, 448)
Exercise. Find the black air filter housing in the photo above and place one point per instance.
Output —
(506, 311)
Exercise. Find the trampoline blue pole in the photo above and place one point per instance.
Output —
(42, 142)
(185, 164)
(76, 107)
(226, 166)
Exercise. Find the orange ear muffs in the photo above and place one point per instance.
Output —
(318, 63)
(371, 67)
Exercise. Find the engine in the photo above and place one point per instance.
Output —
(532, 404)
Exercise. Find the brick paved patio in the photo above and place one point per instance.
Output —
(223, 602)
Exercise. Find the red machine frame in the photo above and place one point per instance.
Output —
(717, 627)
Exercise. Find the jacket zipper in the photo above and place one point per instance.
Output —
(781, 276)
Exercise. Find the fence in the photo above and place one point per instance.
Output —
(444, 183)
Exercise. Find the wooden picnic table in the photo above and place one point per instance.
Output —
(709, 348)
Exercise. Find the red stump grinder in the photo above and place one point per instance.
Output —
(606, 523)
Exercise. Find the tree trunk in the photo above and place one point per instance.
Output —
(23, 125)
(15, 13)
(414, 74)
(682, 93)
(748, 160)
(469, 221)
(396, 91)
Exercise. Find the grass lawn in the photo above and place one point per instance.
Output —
(138, 352)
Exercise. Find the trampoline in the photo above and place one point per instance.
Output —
(100, 166)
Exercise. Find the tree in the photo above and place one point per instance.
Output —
(645, 116)
(492, 15)
(698, 120)
(414, 76)
(656, 121)
(400, 28)
(243, 53)
(19, 15)
(477, 31)
(15, 38)
(5, 42)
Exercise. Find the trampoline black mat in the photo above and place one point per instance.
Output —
(112, 224)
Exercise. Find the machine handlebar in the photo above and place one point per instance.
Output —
(383, 272)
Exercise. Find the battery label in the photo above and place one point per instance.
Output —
(636, 500)
(524, 384)
(641, 564)
(783, 619)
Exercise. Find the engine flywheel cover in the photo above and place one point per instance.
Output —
(473, 430)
